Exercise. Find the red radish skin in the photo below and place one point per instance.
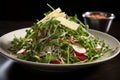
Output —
(82, 57)
(57, 61)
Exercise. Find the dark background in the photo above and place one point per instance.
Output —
(31, 10)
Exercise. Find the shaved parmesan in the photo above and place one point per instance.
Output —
(54, 14)
(60, 16)
(67, 23)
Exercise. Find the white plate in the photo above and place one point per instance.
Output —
(7, 38)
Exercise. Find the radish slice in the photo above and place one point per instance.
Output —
(22, 51)
(98, 47)
(82, 57)
(57, 61)
(78, 48)
(80, 51)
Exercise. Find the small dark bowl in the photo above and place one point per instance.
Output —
(98, 20)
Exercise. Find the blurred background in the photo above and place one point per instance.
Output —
(31, 10)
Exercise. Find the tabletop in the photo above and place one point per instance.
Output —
(10, 70)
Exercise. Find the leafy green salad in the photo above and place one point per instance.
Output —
(58, 39)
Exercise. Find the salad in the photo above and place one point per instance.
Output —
(58, 39)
